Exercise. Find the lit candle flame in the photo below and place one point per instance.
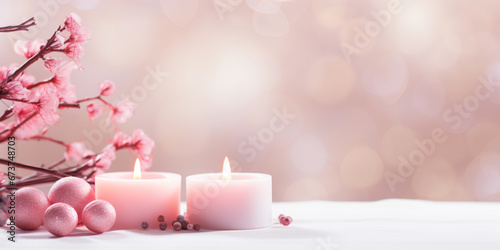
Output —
(137, 169)
(226, 170)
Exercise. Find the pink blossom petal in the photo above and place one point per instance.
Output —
(107, 88)
(122, 111)
(13, 90)
(120, 139)
(94, 110)
(27, 48)
(76, 151)
(107, 157)
(73, 22)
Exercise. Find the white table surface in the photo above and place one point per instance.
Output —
(386, 224)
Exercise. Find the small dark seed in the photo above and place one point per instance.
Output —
(161, 218)
(197, 227)
(144, 225)
(180, 218)
(177, 226)
(163, 225)
(184, 224)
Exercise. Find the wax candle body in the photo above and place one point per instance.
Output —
(244, 202)
(141, 200)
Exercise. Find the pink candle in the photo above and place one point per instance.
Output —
(229, 201)
(139, 197)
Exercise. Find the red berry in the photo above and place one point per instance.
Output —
(190, 227)
(177, 226)
(161, 218)
(286, 220)
(281, 216)
(196, 227)
(174, 222)
(144, 225)
(163, 225)
(180, 218)
(184, 224)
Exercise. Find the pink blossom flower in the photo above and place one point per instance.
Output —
(122, 111)
(26, 80)
(13, 90)
(74, 51)
(47, 104)
(107, 88)
(41, 111)
(51, 64)
(143, 146)
(76, 151)
(120, 139)
(28, 48)
(107, 156)
(31, 127)
(73, 22)
(61, 80)
(94, 110)
(78, 36)
(143, 143)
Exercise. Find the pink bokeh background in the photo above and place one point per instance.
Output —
(337, 100)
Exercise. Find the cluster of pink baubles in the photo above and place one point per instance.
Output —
(70, 201)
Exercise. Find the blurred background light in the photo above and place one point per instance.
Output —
(341, 121)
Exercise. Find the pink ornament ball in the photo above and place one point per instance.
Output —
(60, 219)
(31, 204)
(99, 216)
(73, 191)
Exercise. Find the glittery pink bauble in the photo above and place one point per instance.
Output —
(99, 216)
(73, 191)
(60, 219)
(30, 206)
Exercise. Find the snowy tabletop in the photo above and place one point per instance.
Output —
(386, 224)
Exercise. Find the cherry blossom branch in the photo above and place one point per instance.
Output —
(37, 169)
(57, 163)
(95, 98)
(44, 50)
(44, 138)
(13, 130)
(69, 105)
(23, 26)
(39, 83)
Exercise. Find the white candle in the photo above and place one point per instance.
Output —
(139, 197)
(229, 201)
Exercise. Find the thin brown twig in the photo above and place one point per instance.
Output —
(23, 26)
(37, 169)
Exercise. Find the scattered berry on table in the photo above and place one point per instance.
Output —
(286, 220)
(144, 225)
(190, 227)
(161, 218)
(180, 218)
(163, 225)
(177, 226)
(184, 224)
(196, 227)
